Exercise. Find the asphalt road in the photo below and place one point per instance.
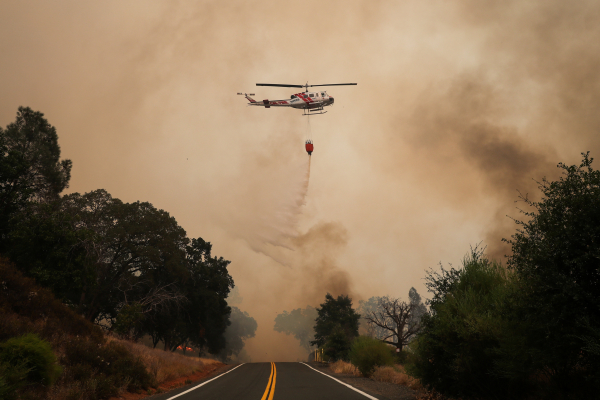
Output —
(269, 381)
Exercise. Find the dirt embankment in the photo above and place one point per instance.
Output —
(206, 373)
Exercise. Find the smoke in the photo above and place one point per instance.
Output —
(459, 107)
(298, 323)
(466, 121)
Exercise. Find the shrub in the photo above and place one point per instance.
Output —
(396, 375)
(343, 367)
(469, 333)
(33, 354)
(111, 364)
(11, 379)
(368, 353)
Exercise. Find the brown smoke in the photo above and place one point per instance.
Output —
(318, 249)
(459, 105)
(463, 121)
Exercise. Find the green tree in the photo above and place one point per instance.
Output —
(299, 323)
(464, 338)
(30, 165)
(336, 326)
(556, 253)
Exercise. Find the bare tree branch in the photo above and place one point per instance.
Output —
(395, 316)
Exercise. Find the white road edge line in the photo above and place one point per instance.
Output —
(204, 383)
(345, 384)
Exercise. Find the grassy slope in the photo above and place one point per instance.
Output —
(94, 366)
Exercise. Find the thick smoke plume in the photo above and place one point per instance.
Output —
(459, 107)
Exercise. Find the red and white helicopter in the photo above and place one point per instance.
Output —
(310, 102)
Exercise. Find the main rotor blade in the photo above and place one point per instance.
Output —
(334, 84)
(277, 84)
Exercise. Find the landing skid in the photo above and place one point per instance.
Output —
(313, 111)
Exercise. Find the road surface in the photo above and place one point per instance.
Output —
(269, 381)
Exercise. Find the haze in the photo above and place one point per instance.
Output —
(459, 105)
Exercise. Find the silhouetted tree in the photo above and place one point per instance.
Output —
(299, 323)
(336, 326)
(556, 253)
(242, 327)
(30, 165)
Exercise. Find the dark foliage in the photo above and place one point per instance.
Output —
(26, 307)
(12, 378)
(462, 341)
(100, 369)
(556, 253)
(110, 364)
(30, 166)
(336, 326)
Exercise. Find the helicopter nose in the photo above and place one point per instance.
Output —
(331, 100)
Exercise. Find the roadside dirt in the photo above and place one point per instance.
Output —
(385, 390)
(210, 371)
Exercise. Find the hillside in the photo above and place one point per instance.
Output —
(48, 351)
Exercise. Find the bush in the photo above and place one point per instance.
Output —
(111, 364)
(11, 379)
(343, 367)
(470, 333)
(34, 355)
(368, 353)
(396, 375)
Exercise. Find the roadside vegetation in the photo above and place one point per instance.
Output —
(529, 329)
(83, 275)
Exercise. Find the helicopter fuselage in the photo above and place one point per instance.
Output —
(302, 100)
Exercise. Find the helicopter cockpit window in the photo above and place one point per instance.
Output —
(323, 94)
(293, 96)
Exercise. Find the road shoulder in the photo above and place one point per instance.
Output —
(381, 390)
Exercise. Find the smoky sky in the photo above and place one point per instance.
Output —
(460, 106)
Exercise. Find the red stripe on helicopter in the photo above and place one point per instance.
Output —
(305, 97)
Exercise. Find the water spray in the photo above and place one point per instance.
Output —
(309, 143)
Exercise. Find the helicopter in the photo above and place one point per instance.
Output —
(310, 102)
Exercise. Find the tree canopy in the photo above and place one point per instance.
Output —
(336, 326)
(556, 252)
(531, 330)
(129, 267)
(30, 165)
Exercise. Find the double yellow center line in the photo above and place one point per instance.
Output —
(270, 390)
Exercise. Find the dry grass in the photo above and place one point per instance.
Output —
(342, 367)
(165, 365)
(396, 375)
(431, 395)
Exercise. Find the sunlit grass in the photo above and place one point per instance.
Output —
(342, 367)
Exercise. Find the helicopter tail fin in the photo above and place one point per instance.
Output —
(247, 96)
